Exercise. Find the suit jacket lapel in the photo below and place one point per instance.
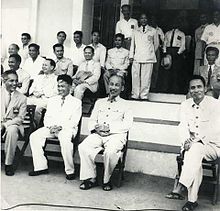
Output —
(12, 102)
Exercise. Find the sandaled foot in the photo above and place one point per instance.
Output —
(189, 206)
(107, 186)
(176, 196)
(87, 184)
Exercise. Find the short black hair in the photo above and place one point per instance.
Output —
(89, 47)
(34, 45)
(26, 35)
(95, 30)
(52, 62)
(58, 45)
(80, 33)
(210, 48)
(197, 77)
(16, 46)
(9, 72)
(65, 78)
(61, 32)
(16, 56)
(120, 35)
(126, 5)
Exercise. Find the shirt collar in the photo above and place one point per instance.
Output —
(114, 100)
(201, 104)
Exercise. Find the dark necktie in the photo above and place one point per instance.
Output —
(209, 76)
(172, 38)
(143, 28)
(62, 100)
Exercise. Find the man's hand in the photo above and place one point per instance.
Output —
(55, 130)
(188, 144)
(37, 94)
(102, 129)
(131, 60)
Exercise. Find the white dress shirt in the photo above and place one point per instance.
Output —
(117, 58)
(126, 27)
(211, 34)
(100, 53)
(77, 54)
(24, 79)
(64, 66)
(33, 68)
(200, 122)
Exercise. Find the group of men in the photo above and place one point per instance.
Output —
(58, 85)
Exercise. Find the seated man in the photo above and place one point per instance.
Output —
(43, 87)
(14, 62)
(109, 122)
(200, 136)
(13, 110)
(117, 60)
(211, 72)
(61, 121)
(63, 65)
(87, 75)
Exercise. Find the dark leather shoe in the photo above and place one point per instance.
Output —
(37, 173)
(70, 176)
(9, 171)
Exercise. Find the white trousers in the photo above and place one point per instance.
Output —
(80, 89)
(141, 79)
(192, 173)
(91, 146)
(37, 142)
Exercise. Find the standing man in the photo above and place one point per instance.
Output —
(110, 120)
(144, 43)
(14, 62)
(61, 121)
(200, 137)
(13, 110)
(33, 64)
(199, 48)
(78, 50)
(126, 25)
(174, 45)
(25, 39)
(63, 65)
(87, 75)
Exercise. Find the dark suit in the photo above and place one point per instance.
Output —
(12, 118)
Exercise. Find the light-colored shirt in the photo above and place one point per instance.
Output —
(45, 84)
(117, 58)
(24, 79)
(144, 44)
(126, 27)
(23, 52)
(64, 66)
(211, 34)
(33, 68)
(65, 113)
(116, 114)
(77, 54)
(200, 122)
(179, 40)
(100, 53)
(160, 35)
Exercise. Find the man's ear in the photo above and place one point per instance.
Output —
(122, 88)
(205, 89)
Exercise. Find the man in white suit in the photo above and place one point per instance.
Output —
(61, 121)
(110, 120)
(200, 137)
(13, 110)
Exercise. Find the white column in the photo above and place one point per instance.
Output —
(33, 19)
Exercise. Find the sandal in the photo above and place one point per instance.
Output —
(87, 184)
(173, 195)
(107, 186)
(190, 206)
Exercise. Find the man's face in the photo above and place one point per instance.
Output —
(12, 50)
(59, 52)
(143, 20)
(211, 56)
(203, 19)
(63, 88)
(11, 82)
(216, 17)
(95, 37)
(33, 52)
(118, 42)
(197, 90)
(13, 64)
(61, 37)
(126, 12)
(77, 38)
(24, 40)
(47, 67)
(88, 54)
(115, 86)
